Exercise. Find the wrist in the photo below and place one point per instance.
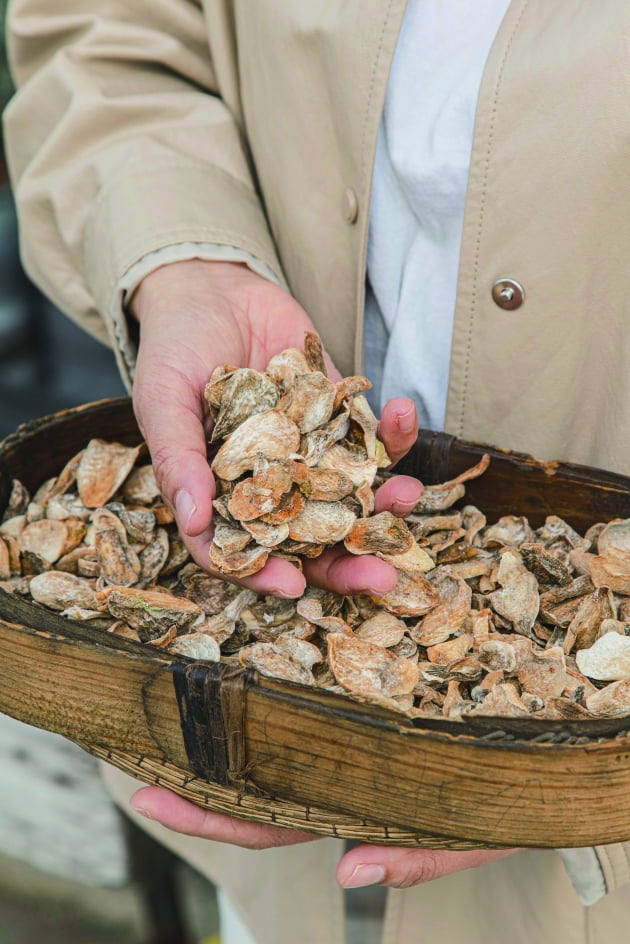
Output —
(177, 279)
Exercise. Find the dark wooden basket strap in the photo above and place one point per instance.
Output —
(429, 460)
(211, 700)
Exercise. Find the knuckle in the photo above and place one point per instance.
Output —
(165, 465)
(266, 840)
(419, 869)
(240, 834)
(281, 837)
(168, 462)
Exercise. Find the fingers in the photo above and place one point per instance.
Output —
(398, 427)
(177, 443)
(279, 577)
(344, 573)
(399, 495)
(173, 812)
(347, 574)
(402, 868)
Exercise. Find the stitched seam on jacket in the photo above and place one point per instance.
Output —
(129, 251)
(615, 865)
(121, 344)
(368, 109)
(607, 867)
(125, 352)
(480, 226)
(365, 174)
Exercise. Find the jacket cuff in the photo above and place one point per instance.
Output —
(123, 329)
(149, 208)
(615, 864)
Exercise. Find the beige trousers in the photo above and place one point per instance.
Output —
(290, 894)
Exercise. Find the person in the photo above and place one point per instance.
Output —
(440, 190)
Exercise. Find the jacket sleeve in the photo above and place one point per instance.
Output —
(597, 871)
(614, 861)
(118, 144)
(126, 345)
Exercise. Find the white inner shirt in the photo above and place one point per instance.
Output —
(418, 197)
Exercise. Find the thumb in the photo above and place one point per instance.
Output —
(170, 421)
(398, 427)
(402, 868)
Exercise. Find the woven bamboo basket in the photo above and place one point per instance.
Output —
(276, 752)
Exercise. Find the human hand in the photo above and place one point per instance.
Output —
(394, 866)
(194, 316)
(400, 867)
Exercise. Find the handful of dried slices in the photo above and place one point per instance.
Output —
(298, 460)
(494, 619)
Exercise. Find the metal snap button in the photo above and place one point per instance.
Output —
(508, 294)
(350, 206)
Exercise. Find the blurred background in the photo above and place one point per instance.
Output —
(46, 363)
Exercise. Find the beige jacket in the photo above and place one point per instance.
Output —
(141, 124)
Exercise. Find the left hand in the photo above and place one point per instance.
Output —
(394, 866)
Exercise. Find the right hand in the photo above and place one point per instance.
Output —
(194, 316)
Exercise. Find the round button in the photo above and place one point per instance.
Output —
(350, 206)
(508, 294)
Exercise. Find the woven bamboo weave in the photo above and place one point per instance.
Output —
(269, 810)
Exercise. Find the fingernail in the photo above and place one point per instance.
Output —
(383, 583)
(365, 875)
(379, 588)
(184, 508)
(407, 420)
(141, 810)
